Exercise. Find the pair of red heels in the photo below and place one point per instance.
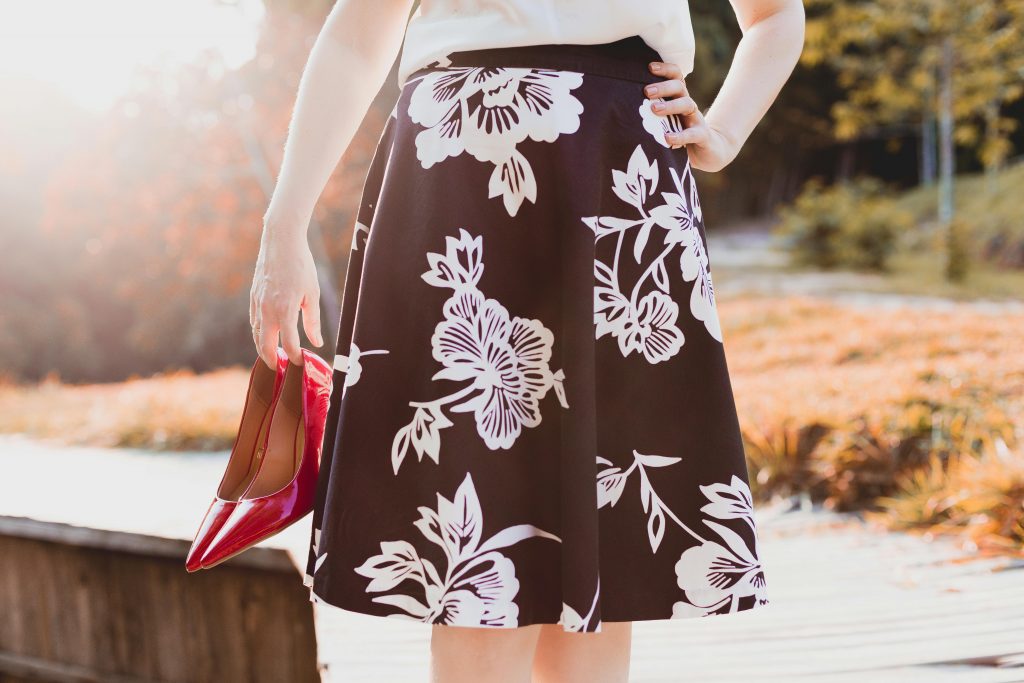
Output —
(271, 475)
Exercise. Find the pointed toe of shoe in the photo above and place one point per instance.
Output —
(218, 513)
(192, 560)
(248, 525)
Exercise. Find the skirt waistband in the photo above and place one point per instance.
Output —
(627, 58)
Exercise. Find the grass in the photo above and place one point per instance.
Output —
(887, 410)
(172, 411)
(919, 273)
(996, 195)
(987, 204)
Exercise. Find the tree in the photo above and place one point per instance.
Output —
(151, 223)
(914, 62)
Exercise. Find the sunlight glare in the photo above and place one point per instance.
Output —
(90, 49)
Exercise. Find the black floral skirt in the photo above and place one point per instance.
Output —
(532, 419)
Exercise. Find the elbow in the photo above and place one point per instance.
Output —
(788, 12)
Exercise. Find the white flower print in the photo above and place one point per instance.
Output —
(729, 501)
(361, 230)
(422, 434)
(307, 579)
(647, 323)
(612, 481)
(678, 220)
(487, 112)
(657, 125)
(478, 586)
(574, 622)
(713, 574)
(504, 360)
(351, 366)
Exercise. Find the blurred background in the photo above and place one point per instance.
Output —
(867, 248)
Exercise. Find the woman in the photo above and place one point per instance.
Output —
(528, 312)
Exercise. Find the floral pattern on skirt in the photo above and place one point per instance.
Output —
(535, 422)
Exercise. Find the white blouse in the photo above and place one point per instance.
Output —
(439, 27)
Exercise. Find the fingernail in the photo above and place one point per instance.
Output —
(655, 66)
(658, 106)
(651, 89)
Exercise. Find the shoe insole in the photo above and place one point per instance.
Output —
(244, 460)
(285, 439)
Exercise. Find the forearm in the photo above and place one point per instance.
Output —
(348, 63)
(765, 58)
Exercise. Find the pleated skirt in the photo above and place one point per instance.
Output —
(532, 419)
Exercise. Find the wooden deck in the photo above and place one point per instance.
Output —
(849, 603)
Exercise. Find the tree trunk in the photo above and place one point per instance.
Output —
(846, 163)
(927, 171)
(946, 150)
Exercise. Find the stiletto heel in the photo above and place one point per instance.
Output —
(284, 487)
(246, 453)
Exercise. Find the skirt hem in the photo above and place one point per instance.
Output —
(320, 600)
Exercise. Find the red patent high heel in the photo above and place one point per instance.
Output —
(246, 452)
(284, 487)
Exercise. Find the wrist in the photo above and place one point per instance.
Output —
(729, 142)
(284, 223)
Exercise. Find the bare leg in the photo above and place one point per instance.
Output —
(564, 657)
(474, 654)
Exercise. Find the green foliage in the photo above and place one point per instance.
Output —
(887, 55)
(991, 210)
(852, 224)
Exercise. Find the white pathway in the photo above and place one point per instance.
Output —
(751, 261)
(849, 603)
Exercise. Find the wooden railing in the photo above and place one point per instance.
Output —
(81, 605)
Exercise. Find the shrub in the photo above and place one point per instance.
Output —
(780, 457)
(866, 460)
(980, 496)
(852, 224)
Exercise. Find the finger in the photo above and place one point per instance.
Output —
(666, 69)
(682, 106)
(266, 334)
(311, 318)
(290, 335)
(257, 325)
(696, 135)
(268, 345)
(671, 88)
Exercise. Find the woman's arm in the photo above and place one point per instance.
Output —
(349, 61)
(773, 37)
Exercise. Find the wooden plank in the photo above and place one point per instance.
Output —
(273, 559)
(100, 614)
